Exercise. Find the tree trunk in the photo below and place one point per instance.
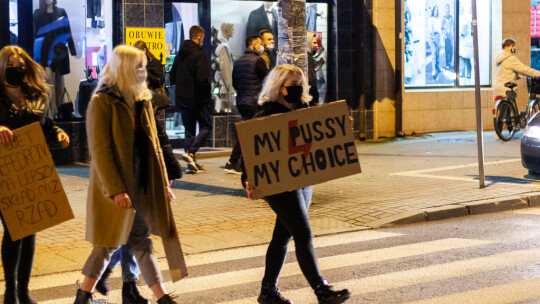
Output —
(292, 33)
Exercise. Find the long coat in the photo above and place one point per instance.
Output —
(110, 130)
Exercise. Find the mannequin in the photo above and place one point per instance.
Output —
(259, 20)
(51, 33)
(225, 63)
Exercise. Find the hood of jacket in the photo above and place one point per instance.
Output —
(503, 56)
(188, 47)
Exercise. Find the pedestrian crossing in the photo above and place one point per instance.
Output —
(352, 260)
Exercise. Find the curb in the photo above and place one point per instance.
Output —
(458, 210)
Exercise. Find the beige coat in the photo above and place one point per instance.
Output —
(507, 66)
(110, 129)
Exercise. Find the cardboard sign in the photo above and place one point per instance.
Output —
(31, 195)
(297, 149)
(154, 38)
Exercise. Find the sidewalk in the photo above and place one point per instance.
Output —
(403, 181)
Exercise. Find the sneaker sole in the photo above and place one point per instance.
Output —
(232, 171)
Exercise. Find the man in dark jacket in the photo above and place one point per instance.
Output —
(249, 72)
(190, 73)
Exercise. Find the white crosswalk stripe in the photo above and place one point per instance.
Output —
(207, 284)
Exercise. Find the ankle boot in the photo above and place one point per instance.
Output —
(270, 295)
(102, 285)
(24, 297)
(83, 297)
(326, 295)
(10, 296)
(131, 295)
(166, 299)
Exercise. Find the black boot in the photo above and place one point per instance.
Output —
(10, 296)
(83, 297)
(270, 295)
(131, 295)
(166, 299)
(24, 297)
(326, 295)
(102, 285)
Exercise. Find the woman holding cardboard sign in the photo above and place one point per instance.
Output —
(286, 89)
(24, 99)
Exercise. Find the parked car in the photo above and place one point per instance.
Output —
(530, 145)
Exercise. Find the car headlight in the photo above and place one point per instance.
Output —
(532, 131)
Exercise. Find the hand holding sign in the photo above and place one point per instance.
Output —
(31, 194)
(293, 150)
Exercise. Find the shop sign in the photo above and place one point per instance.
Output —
(154, 38)
(297, 149)
(31, 195)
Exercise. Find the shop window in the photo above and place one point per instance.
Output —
(233, 21)
(535, 34)
(439, 43)
(13, 23)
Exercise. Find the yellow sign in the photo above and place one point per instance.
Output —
(154, 38)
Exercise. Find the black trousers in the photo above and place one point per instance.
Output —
(17, 260)
(292, 221)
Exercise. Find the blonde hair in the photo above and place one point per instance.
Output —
(120, 73)
(271, 90)
(34, 80)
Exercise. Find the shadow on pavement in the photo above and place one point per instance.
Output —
(492, 179)
(208, 189)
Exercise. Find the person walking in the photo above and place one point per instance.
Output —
(508, 66)
(190, 73)
(125, 256)
(24, 99)
(128, 192)
(312, 47)
(285, 90)
(249, 72)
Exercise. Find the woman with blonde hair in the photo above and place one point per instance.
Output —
(285, 90)
(24, 98)
(127, 174)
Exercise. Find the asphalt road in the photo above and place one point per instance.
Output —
(492, 258)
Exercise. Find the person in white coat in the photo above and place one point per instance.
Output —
(508, 66)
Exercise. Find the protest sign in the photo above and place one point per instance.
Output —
(297, 149)
(31, 195)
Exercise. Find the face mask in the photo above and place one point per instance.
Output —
(141, 75)
(294, 94)
(260, 50)
(314, 50)
(513, 50)
(270, 47)
(15, 75)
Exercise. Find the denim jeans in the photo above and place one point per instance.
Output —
(292, 221)
(125, 257)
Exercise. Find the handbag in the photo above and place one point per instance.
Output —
(161, 98)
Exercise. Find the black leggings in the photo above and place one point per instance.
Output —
(17, 260)
(292, 220)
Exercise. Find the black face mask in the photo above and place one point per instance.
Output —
(294, 94)
(15, 76)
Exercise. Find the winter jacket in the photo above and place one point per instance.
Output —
(191, 75)
(507, 66)
(156, 77)
(249, 72)
(52, 32)
(14, 118)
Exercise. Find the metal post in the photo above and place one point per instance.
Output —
(479, 129)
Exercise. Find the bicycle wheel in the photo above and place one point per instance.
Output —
(505, 121)
(534, 107)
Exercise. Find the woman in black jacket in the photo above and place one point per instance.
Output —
(286, 89)
(24, 98)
